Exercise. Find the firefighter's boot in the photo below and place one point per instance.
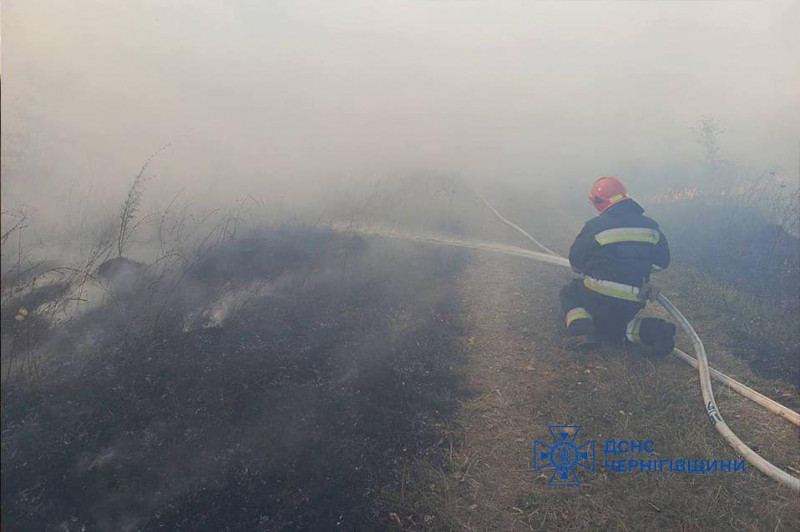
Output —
(656, 336)
(581, 334)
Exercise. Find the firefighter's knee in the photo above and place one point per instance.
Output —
(656, 334)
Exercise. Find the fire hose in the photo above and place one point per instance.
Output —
(701, 363)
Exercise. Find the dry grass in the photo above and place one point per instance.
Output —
(478, 473)
(481, 475)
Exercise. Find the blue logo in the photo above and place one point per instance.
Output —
(563, 455)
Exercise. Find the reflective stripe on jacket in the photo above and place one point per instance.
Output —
(621, 245)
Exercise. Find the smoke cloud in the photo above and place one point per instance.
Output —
(293, 100)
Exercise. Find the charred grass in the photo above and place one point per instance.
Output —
(299, 410)
(302, 379)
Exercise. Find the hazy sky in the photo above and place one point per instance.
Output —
(257, 96)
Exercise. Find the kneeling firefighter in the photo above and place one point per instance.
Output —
(616, 252)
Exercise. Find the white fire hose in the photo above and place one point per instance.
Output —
(701, 362)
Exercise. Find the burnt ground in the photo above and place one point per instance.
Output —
(297, 379)
(296, 413)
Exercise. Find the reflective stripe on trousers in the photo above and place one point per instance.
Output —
(632, 331)
(612, 289)
(578, 313)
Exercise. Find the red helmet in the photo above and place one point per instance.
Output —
(606, 192)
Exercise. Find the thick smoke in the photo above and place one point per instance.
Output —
(291, 101)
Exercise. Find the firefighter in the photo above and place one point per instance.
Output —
(615, 253)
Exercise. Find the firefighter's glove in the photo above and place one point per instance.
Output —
(648, 292)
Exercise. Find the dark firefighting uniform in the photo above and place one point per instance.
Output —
(616, 252)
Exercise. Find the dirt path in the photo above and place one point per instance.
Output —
(508, 372)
